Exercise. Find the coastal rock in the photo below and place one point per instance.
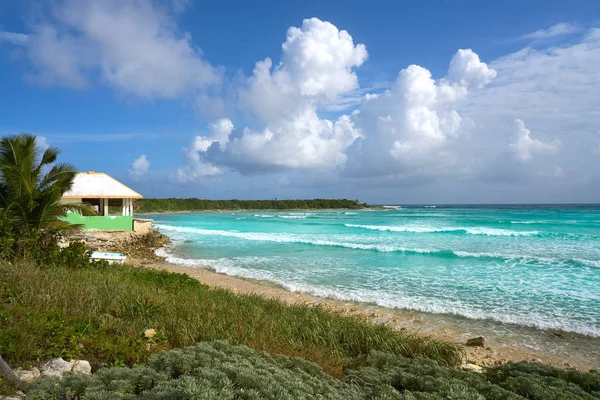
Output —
(80, 367)
(55, 367)
(472, 367)
(476, 342)
(28, 376)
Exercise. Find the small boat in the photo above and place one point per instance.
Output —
(118, 258)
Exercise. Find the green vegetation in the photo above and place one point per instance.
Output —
(175, 205)
(30, 199)
(100, 313)
(221, 371)
(55, 302)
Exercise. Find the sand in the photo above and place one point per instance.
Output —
(503, 342)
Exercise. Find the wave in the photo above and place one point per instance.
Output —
(350, 213)
(264, 216)
(239, 268)
(425, 229)
(293, 216)
(445, 253)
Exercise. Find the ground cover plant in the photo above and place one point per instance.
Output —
(218, 370)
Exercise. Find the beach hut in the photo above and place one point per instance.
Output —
(104, 194)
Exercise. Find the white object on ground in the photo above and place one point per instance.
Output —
(118, 258)
(55, 367)
(80, 367)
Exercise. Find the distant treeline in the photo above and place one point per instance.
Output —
(174, 205)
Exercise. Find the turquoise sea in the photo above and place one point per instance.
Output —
(536, 266)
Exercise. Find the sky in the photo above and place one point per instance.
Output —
(387, 102)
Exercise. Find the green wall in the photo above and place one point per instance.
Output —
(108, 223)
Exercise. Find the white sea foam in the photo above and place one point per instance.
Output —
(426, 229)
(246, 268)
(350, 213)
(264, 216)
(384, 248)
(293, 216)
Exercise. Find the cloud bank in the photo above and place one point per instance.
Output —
(306, 116)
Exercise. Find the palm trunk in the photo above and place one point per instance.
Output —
(11, 376)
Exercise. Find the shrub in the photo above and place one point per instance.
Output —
(205, 371)
(221, 371)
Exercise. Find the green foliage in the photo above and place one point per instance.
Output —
(30, 207)
(174, 205)
(538, 381)
(219, 370)
(7, 238)
(100, 314)
(205, 371)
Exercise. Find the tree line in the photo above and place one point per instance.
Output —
(193, 204)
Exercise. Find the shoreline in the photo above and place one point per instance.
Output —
(257, 210)
(504, 342)
(560, 349)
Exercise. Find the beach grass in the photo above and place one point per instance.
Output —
(100, 314)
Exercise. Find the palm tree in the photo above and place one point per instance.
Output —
(31, 188)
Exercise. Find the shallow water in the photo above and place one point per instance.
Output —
(536, 266)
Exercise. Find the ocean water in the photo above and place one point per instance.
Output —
(536, 266)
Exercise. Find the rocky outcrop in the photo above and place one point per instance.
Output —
(80, 367)
(28, 376)
(476, 342)
(54, 367)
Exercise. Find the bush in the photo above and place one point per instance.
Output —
(221, 371)
(205, 371)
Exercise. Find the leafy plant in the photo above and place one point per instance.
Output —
(31, 187)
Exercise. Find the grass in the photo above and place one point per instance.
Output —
(99, 314)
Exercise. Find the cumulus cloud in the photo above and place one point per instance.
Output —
(139, 167)
(132, 45)
(196, 163)
(560, 29)
(42, 143)
(409, 129)
(525, 147)
(316, 67)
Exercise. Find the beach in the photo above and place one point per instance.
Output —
(512, 343)
(503, 342)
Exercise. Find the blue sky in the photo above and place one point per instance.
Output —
(387, 101)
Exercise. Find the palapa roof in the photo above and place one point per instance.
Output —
(99, 185)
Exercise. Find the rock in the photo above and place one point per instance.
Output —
(80, 367)
(55, 367)
(149, 333)
(476, 342)
(28, 376)
(472, 367)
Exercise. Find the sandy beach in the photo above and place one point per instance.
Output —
(503, 342)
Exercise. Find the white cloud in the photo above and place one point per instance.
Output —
(316, 68)
(42, 143)
(132, 45)
(525, 147)
(14, 38)
(560, 29)
(139, 167)
(409, 129)
(196, 165)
